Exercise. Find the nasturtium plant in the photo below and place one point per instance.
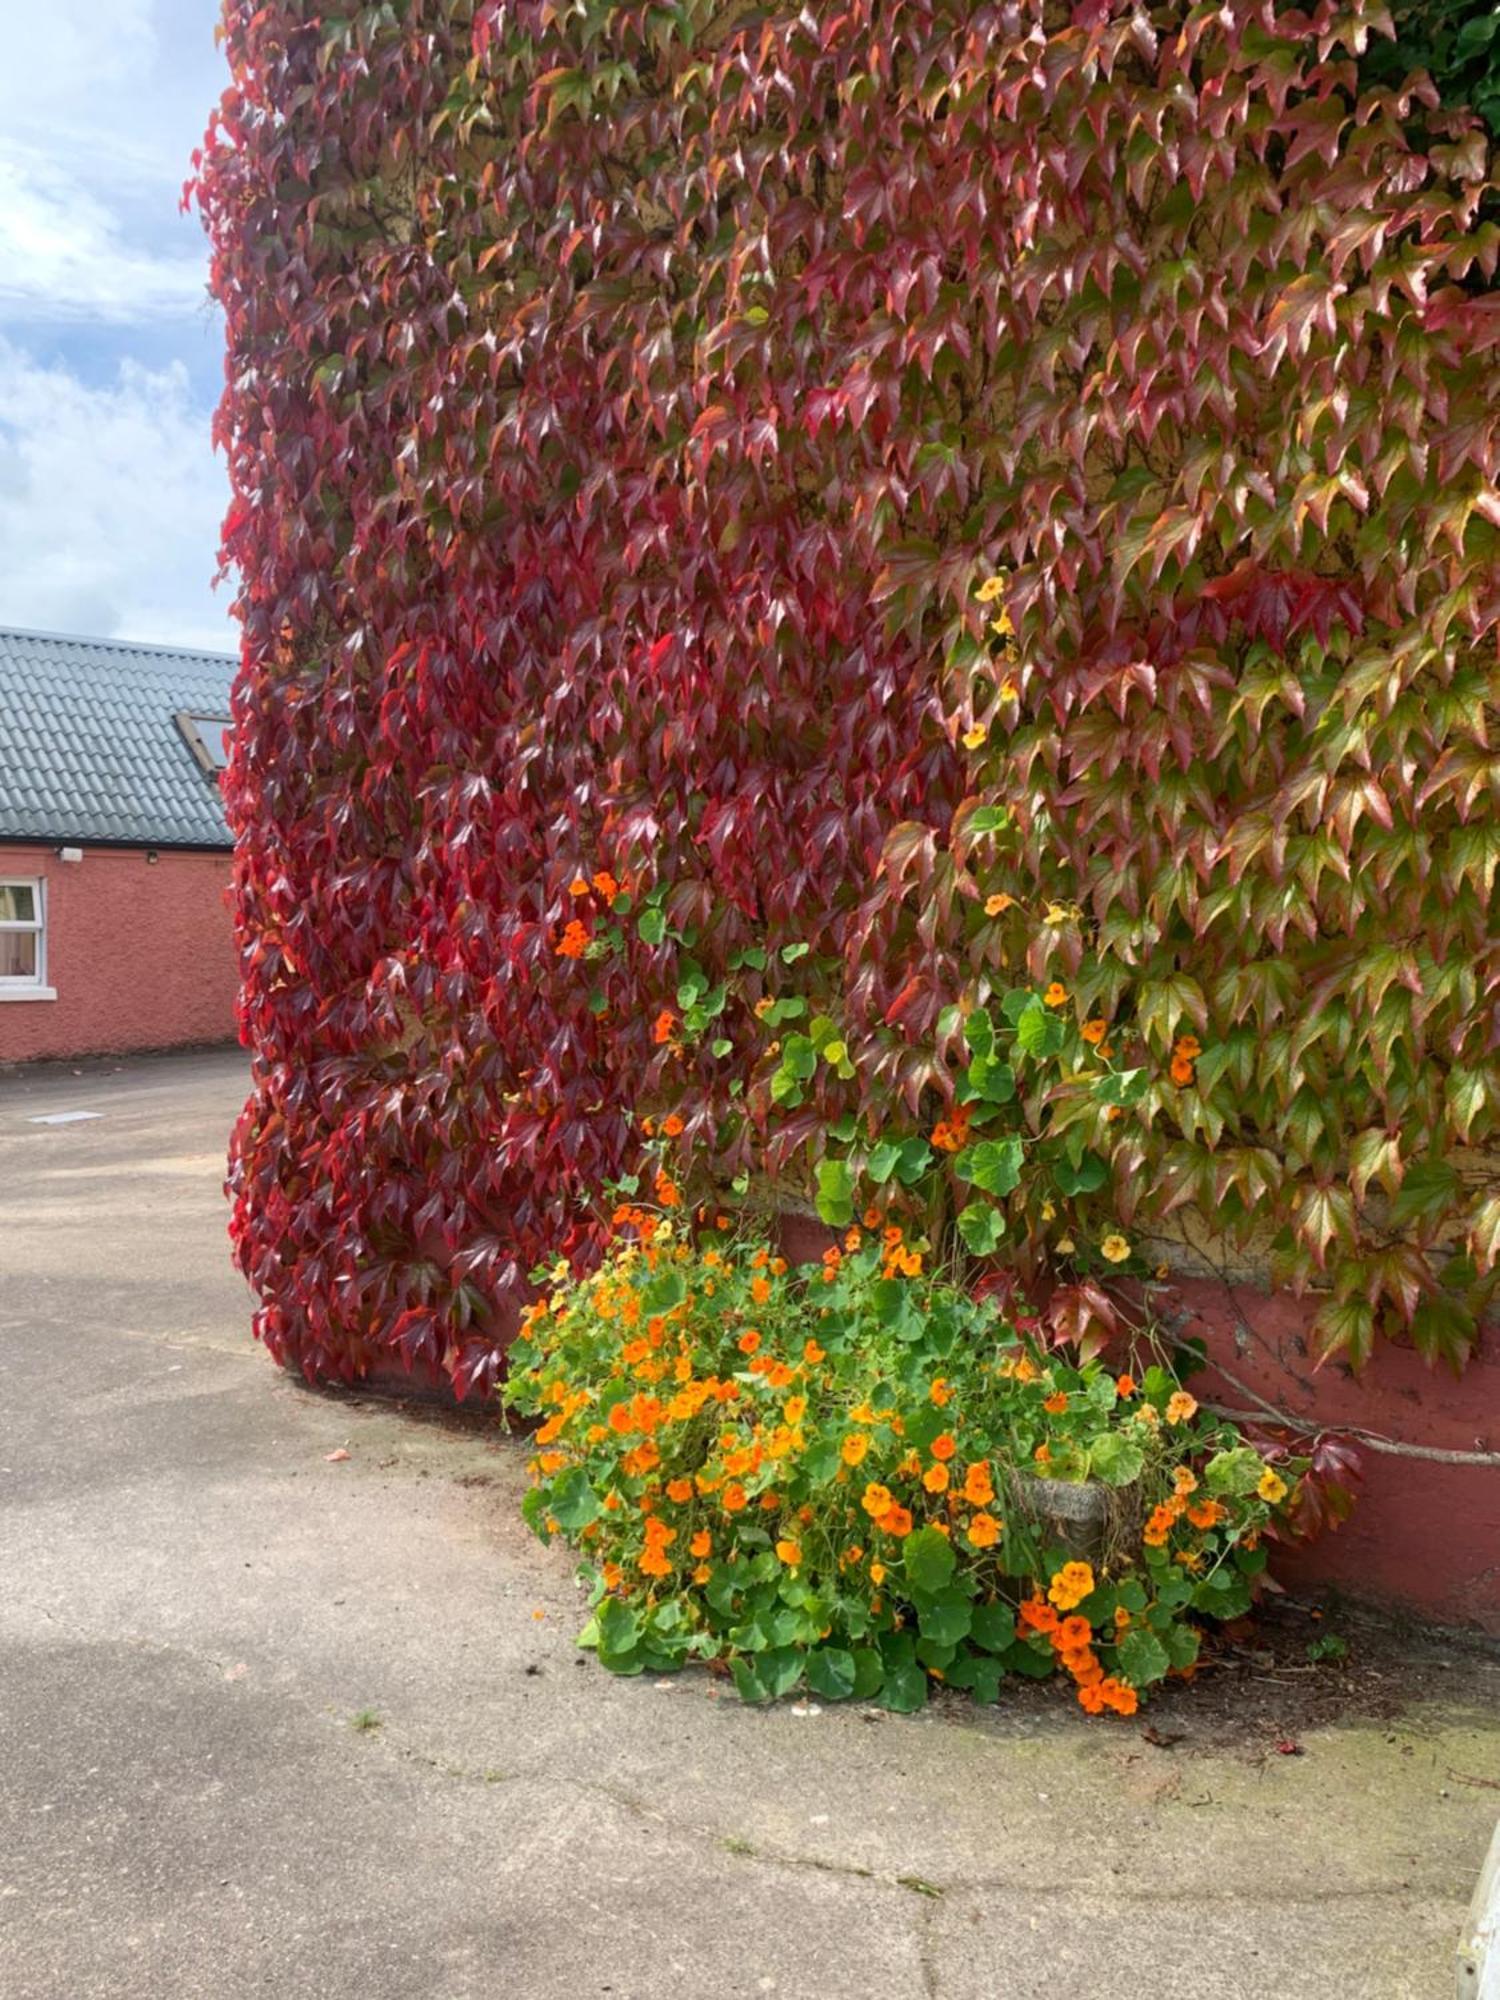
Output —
(788, 1473)
(747, 520)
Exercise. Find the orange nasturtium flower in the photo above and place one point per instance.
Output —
(790, 1553)
(1158, 1527)
(979, 1486)
(854, 1447)
(1071, 1585)
(748, 1341)
(1056, 1403)
(895, 1521)
(812, 1354)
(943, 1447)
(1055, 994)
(996, 906)
(760, 1290)
(701, 1543)
(1124, 1385)
(1181, 1407)
(984, 1531)
(1182, 1071)
(606, 884)
(1115, 1247)
(574, 941)
(666, 1021)
(1094, 1031)
(876, 1500)
(735, 1498)
(1036, 1615)
(679, 1489)
(935, 1479)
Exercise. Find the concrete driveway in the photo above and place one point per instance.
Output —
(199, 1607)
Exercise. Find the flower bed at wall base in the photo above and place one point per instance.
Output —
(836, 1477)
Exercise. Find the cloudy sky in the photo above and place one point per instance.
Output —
(111, 356)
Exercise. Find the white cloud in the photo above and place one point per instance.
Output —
(110, 503)
(63, 256)
(100, 107)
(71, 68)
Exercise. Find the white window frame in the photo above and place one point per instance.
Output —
(31, 985)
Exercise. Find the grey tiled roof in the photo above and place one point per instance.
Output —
(90, 749)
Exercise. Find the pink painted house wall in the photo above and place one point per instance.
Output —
(140, 953)
(1425, 1532)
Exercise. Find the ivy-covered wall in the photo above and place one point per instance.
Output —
(1457, 42)
(907, 590)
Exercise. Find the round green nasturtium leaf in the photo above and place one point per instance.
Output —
(1116, 1459)
(830, 1672)
(929, 1560)
(946, 1618)
(1142, 1657)
(905, 1688)
(572, 1502)
(981, 1228)
(993, 1626)
(869, 1672)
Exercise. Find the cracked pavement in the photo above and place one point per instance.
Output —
(200, 1608)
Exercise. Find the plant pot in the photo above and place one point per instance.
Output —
(1078, 1512)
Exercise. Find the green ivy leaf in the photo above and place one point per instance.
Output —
(988, 819)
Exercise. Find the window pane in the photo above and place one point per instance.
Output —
(17, 903)
(17, 954)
